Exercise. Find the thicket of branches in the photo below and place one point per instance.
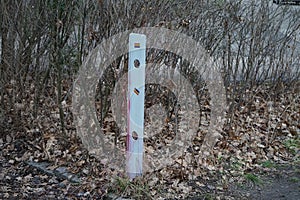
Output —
(43, 43)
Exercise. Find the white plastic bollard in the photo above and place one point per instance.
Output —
(136, 99)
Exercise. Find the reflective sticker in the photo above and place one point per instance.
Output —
(137, 45)
(136, 91)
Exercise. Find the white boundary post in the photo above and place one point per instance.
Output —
(136, 99)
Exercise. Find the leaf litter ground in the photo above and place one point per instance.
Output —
(256, 158)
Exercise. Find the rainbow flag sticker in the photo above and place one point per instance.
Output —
(137, 45)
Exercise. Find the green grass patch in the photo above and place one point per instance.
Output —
(295, 179)
(293, 145)
(268, 164)
(237, 165)
(122, 183)
(137, 188)
(253, 178)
